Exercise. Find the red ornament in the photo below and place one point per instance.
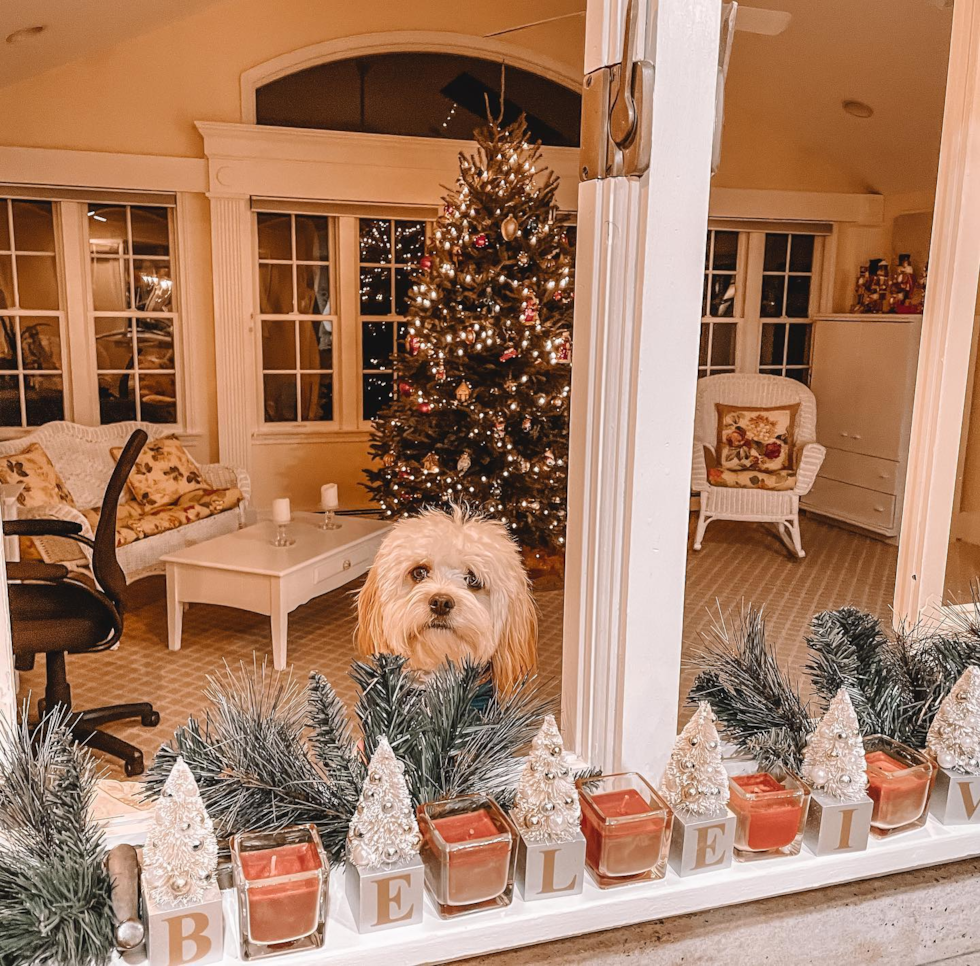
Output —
(557, 296)
(450, 210)
(413, 345)
(405, 388)
(508, 354)
(531, 310)
(480, 241)
(425, 262)
(424, 407)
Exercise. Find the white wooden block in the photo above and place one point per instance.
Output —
(701, 844)
(545, 870)
(190, 934)
(834, 826)
(956, 798)
(383, 898)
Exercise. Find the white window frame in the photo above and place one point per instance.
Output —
(737, 318)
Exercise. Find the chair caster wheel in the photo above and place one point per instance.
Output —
(134, 767)
(150, 720)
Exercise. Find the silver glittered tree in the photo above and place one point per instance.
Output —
(546, 807)
(695, 782)
(833, 762)
(383, 831)
(954, 736)
(181, 853)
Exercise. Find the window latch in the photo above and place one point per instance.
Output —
(617, 119)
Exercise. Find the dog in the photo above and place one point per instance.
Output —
(450, 586)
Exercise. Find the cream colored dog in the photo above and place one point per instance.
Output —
(450, 586)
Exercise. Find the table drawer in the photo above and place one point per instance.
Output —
(869, 472)
(853, 504)
(355, 560)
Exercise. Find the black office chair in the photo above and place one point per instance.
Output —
(55, 611)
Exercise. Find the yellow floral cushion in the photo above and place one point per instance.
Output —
(756, 438)
(163, 473)
(42, 484)
(752, 480)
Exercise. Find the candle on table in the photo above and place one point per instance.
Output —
(281, 514)
(769, 814)
(480, 872)
(328, 497)
(282, 911)
(899, 790)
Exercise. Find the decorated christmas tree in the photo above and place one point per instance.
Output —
(695, 781)
(480, 408)
(181, 852)
(546, 807)
(384, 830)
(833, 762)
(954, 736)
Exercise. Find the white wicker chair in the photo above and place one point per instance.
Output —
(781, 507)
(81, 456)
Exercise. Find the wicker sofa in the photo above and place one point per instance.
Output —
(81, 455)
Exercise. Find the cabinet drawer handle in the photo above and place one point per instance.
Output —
(879, 509)
(843, 434)
(347, 564)
(856, 436)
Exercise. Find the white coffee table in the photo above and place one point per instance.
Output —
(243, 570)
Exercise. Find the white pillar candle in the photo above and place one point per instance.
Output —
(280, 511)
(328, 496)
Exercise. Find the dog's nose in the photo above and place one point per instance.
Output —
(441, 604)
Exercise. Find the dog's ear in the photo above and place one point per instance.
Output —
(368, 635)
(517, 652)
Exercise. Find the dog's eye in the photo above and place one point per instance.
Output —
(419, 574)
(472, 581)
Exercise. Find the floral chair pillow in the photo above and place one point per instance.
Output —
(43, 486)
(163, 473)
(756, 438)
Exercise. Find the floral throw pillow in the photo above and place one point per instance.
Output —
(163, 473)
(43, 486)
(756, 438)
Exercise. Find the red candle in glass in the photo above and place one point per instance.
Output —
(479, 873)
(281, 911)
(899, 789)
(769, 812)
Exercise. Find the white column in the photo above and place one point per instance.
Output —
(638, 294)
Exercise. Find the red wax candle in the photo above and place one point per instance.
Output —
(481, 870)
(899, 790)
(282, 911)
(627, 847)
(768, 814)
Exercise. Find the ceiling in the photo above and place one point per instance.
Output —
(77, 28)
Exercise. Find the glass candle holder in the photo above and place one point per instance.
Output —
(281, 879)
(469, 848)
(329, 521)
(280, 539)
(900, 781)
(627, 829)
(770, 807)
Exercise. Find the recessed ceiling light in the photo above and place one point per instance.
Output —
(858, 108)
(25, 33)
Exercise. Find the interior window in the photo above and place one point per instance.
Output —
(718, 338)
(787, 279)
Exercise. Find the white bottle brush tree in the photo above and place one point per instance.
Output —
(546, 807)
(834, 759)
(954, 735)
(383, 831)
(695, 782)
(181, 852)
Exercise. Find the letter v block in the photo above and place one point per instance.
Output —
(956, 798)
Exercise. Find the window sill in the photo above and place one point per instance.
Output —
(272, 437)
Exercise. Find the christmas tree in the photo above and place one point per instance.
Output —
(833, 762)
(695, 781)
(181, 852)
(480, 408)
(384, 830)
(546, 807)
(954, 736)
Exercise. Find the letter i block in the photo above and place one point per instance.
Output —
(190, 934)
(834, 826)
(956, 798)
(545, 869)
(699, 844)
(386, 897)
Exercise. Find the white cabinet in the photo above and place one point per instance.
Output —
(863, 375)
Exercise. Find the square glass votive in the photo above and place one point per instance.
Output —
(282, 883)
(955, 798)
(627, 829)
(469, 849)
(900, 781)
(770, 807)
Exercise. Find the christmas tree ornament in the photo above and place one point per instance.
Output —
(548, 817)
(180, 894)
(430, 464)
(425, 407)
(900, 781)
(530, 308)
(425, 263)
(463, 392)
(839, 817)
(499, 428)
(469, 336)
(440, 373)
(480, 241)
(405, 388)
(526, 424)
(384, 872)
(549, 459)
(463, 463)
(954, 741)
(508, 354)
(388, 459)
(523, 259)
(509, 228)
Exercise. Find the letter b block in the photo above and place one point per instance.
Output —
(185, 936)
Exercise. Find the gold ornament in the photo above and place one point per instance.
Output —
(464, 463)
(389, 459)
(430, 464)
(463, 391)
(509, 228)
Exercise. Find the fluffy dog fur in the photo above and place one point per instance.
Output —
(450, 586)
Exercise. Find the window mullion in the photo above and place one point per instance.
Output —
(749, 343)
(347, 334)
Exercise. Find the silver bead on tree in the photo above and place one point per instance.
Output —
(954, 735)
(695, 781)
(833, 762)
(546, 807)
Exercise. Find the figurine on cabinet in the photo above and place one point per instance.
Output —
(861, 290)
(903, 288)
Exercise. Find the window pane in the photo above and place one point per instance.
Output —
(153, 286)
(117, 398)
(316, 397)
(8, 342)
(280, 398)
(45, 399)
(772, 296)
(9, 401)
(312, 242)
(402, 336)
(313, 289)
(800, 375)
(376, 345)
(110, 284)
(403, 284)
(6, 282)
(798, 296)
(772, 343)
(155, 344)
(723, 344)
(276, 289)
(704, 296)
(798, 347)
(4, 226)
(703, 351)
(726, 250)
(151, 230)
(316, 345)
(375, 240)
(274, 237)
(107, 230)
(114, 344)
(775, 258)
(158, 397)
(722, 295)
(33, 226)
(377, 392)
(409, 241)
(801, 253)
(375, 291)
(40, 343)
(37, 282)
(278, 345)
